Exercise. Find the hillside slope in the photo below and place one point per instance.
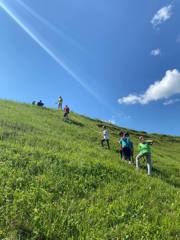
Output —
(56, 182)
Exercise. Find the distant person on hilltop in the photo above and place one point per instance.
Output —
(145, 151)
(33, 102)
(127, 147)
(60, 102)
(40, 104)
(105, 137)
(66, 113)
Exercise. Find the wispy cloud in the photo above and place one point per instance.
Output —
(162, 15)
(123, 116)
(156, 52)
(171, 101)
(168, 86)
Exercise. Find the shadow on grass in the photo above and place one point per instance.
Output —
(70, 121)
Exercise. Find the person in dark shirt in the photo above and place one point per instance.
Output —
(40, 104)
(66, 113)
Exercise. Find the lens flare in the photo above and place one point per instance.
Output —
(50, 25)
(35, 36)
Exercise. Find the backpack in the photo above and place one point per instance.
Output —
(126, 143)
(66, 109)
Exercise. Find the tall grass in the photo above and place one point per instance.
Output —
(57, 182)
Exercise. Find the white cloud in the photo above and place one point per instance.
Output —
(115, 119)
(130, 99)
(168, 86)
(111, 121)
(162, 15)
(171, 101)
(156, 52)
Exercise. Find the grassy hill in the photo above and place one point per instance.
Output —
(57, 182)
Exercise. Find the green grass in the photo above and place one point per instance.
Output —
(56, 182)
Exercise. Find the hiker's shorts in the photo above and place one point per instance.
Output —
(126, 153)
(66, 114)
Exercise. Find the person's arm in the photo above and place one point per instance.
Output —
(150, 142)
(120, 142)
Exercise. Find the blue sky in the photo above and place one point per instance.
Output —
(114, 60)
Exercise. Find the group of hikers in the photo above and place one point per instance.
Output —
(60, 107)
(126, 150)
(39, 103)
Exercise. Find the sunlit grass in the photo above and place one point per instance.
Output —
(56, 182)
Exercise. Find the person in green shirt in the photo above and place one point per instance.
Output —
(145, 151)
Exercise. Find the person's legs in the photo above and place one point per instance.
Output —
(137, 160)
(149, 164)
(102, 142)
(129, 155)
(60, 106)
(121, 153)
(126, 153)
(107, 140)
(65, 116)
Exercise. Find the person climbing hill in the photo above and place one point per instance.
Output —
(131, 146)
(105, 137)
(66, 113)
(145, 151)
(127, 147)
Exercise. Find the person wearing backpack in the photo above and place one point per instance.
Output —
(127, 147)
(66, 113)
(131, 147)
(105, 137)
(145, 151)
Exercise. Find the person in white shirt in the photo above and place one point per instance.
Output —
(60, 102)
(105, 137)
